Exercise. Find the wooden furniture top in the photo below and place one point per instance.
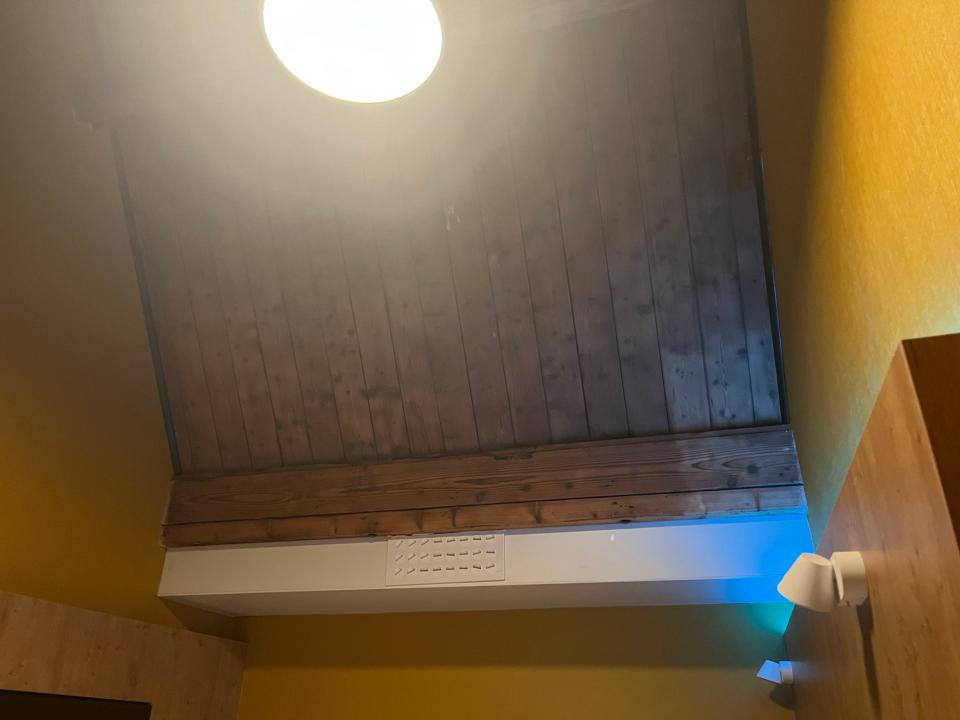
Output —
(898, 656)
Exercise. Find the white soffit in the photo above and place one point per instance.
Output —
(673, 563)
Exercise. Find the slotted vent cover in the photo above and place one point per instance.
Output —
(440, 559)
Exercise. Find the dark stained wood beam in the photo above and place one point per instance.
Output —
(700, 475)
(636, 466)
(551, 513)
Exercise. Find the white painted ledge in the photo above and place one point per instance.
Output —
(674, 563)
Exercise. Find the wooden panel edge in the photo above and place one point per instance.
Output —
(894, 508)
(933, 363)
(557, 513)
(710, 461)
(54, 648)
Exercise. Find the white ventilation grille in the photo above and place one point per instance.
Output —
(440, 559)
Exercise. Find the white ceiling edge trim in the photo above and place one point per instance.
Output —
(672, 563)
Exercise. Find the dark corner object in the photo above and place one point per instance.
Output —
(37, 706)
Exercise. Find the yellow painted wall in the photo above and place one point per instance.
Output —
(609, 664)
(83, 457)
(859, 109)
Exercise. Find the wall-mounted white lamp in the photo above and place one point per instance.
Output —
(780, 673)
(815, 583)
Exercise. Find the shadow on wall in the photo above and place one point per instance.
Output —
(789, 75)
(84, 465)
(789, 45)
(706, 636)
(790, 57)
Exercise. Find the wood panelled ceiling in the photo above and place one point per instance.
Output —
(547, 263)
(556, 239)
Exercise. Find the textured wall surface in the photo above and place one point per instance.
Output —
(615, 664)
(859, 109)
(83, 457)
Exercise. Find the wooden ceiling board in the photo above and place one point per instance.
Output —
(556, 239)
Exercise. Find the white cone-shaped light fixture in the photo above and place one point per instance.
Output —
(363, 51)
(809, 583)
(819, 584)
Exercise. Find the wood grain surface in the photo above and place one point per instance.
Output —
(898, 656)
(555, 239)
(52, 648)
(727, 472)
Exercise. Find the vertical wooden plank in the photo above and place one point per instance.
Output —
(180, 356)
(503, 240)
(272, 325)
(625, 238)
(444, 342)
(287, 196)
(664, 204)
(543, 243)
(335, 310)
(195, 225)
(709, 212)
(386, 185)
(238, 311)
(481, 337)
(575, 175)
(464, 229)
(739, 149)
(357, 212)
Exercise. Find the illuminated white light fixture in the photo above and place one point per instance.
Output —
(363, 51)
(779, 673)
(815, 583)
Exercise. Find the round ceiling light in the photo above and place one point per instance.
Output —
(363, 51)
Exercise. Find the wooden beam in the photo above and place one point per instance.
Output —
(555, 513)
(637, 466)
(695, 475)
